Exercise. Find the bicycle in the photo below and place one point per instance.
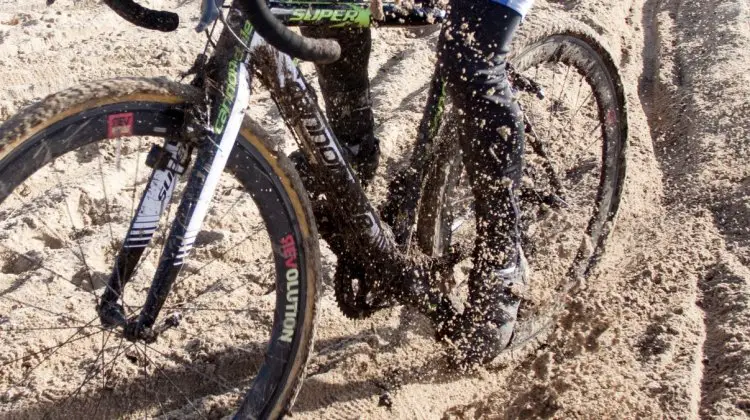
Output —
(194, 311)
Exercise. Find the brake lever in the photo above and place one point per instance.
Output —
(209, 13)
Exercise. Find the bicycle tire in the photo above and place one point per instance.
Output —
(538, 43)
(70, 120)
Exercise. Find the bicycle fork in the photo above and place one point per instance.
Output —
(168, 163)
(210, 162)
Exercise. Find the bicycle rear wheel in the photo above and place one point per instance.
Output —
(576, 137)
(72, 170)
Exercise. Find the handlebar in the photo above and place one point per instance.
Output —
(274, 32)
(143, 17)
(321, 51)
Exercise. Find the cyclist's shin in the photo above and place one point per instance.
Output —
(491, 130)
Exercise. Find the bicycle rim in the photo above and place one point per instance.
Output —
(244, 297)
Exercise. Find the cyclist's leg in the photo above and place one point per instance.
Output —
(345, 86)
(491, 133)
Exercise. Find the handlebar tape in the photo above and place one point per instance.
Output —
(321, 51)
(144, 17)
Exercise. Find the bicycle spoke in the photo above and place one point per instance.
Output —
(231, 248)
(193, 308)
(135, 180)
(575, 104)
(231, 346)
(7, 330)
(461, 200)
(215, 380)
(585, 101)
(15, 212)
(181, 280)
(90, 375)
(560, 126)
(561, 96)
(52, 350)
(112, 241)
(459, 222)
(70, 339)
(114, 358)
(231, 208)
(213, 309)
(146, 346)
(82, 257)
(42, 221)
(55, 273)
(550, 114)
(592, 133)
(576, 108)
(213, 287)
(40, 308)
(145, 364)
(105, 377)
(106, 197)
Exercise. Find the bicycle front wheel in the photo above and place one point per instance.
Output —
(72, 171)
(573, 176)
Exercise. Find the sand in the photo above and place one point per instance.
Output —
(661, 328)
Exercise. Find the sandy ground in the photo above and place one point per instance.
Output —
(661, 330)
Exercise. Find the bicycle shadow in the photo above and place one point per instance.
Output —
(201, 386)
(166, 387)
(318, 393)
(358, 396)
(334, 378)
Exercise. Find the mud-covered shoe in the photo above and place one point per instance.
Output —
(364, 158)
(486, 327)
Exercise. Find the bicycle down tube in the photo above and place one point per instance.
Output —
(316, 139)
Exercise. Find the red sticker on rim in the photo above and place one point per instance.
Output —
(119, 125)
